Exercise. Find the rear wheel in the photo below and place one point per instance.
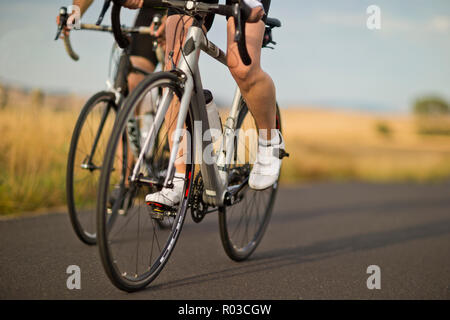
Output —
(134, 242)
(242, 225)
(87, 148)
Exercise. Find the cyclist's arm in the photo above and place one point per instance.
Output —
(83, 5)
(133, 4)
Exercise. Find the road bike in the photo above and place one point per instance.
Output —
(133, 247)
(94, 126)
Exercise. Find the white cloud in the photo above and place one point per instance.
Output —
(440, 24)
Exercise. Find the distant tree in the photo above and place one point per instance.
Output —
(433, 116)
(431, 105)
(383, 128)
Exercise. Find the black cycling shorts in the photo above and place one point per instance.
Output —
(210, 18)
(142, 44)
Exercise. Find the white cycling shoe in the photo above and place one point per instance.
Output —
(266, 169)
(168, 197)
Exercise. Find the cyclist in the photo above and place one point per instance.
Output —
(142, 55)
(256, 87)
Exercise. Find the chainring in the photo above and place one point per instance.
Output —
(198, 207)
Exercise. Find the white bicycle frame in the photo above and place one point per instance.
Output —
(214, 175)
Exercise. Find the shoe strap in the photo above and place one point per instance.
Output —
(271, 142)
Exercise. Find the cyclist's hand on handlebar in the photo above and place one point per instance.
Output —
(133, 4)
(256, 15)
(257, 10)
(65, 31)
(70, 22)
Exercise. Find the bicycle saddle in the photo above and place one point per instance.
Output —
(273, 22)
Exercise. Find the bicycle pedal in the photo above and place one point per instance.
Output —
(159, 211)
(282, 154)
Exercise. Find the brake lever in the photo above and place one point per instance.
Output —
(63, 16)
(105, 8)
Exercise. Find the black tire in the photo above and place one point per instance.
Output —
(81, 196)
(145, 235)
(240, 244)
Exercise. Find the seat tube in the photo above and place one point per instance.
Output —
(227, 151)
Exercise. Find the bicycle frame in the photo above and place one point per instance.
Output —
(214, 175)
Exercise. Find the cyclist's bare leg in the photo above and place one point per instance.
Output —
(176, 30)
(256, 86)
(133, 80)
(258, 90)
(141, 63)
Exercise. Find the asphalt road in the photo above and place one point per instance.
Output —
(320, 241)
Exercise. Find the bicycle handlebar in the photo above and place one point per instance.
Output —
(238, 10)
(69, 49)
(63, 16)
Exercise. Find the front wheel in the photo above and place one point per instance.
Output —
(242, 225)
(134, 242)
(87, 148)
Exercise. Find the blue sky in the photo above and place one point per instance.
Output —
(325, 53)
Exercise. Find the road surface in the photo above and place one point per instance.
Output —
(319, 244)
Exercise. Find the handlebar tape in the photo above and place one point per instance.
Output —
(122, 41)
(69, 49)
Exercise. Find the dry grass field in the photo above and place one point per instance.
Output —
(342, 145)
(324, 145)
(33, 152)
